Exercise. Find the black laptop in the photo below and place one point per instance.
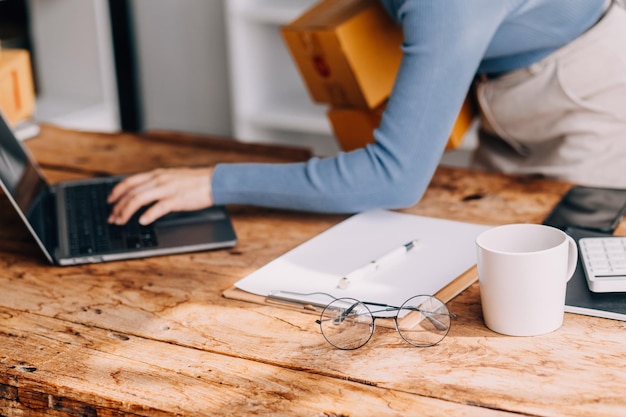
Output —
(69, 219)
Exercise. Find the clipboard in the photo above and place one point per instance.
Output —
(447, 293)
(443, 265)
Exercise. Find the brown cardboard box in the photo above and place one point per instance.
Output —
(463, 122)
(354, 128)
(17, 93)
(347, 51)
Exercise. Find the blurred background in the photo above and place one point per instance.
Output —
(216, 67)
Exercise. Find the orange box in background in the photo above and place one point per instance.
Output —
(17, 92)
(354, 128)
(347, 51)
(463, 122)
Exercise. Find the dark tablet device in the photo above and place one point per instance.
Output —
(590, 208)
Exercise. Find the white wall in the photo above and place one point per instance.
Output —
(182, 65)
(73, 57)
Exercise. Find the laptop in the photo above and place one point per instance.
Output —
(69, 219)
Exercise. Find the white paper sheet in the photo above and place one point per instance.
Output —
(446, 250)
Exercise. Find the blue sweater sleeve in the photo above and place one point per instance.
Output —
(444, 44)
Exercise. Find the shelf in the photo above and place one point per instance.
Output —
(269, 99)
(297, 115)
(320, 145)
(77, 114)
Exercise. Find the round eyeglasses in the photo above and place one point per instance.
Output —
(422, 321)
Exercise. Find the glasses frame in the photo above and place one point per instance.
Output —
(388, 308)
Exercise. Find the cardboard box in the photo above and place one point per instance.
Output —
(347, 51)
(354, 128)
(463, 121)
(17, 93)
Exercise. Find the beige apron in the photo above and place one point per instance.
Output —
(565, 116)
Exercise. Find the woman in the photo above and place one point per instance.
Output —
(552, 92)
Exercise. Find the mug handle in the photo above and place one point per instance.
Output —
(572, 257)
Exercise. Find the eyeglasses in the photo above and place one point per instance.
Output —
(348, 324)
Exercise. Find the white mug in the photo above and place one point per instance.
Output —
(523, 270)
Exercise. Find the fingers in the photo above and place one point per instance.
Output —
(157, 210)
(141, 195)
(131, 194)
(166, 189)
(127, 184)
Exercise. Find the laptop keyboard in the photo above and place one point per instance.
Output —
(90, 233)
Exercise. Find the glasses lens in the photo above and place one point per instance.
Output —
(347, 323)
(423, 321)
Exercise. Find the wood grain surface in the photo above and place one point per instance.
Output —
(155, 337)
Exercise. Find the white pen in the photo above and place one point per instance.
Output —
(374, 265)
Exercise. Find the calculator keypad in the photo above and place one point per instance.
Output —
(604, 260)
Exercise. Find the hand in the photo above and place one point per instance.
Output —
(172, 189)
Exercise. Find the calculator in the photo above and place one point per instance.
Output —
(604, 262)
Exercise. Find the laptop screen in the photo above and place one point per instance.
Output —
(19, 175)
(26, 188)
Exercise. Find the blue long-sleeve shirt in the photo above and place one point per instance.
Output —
(446, 43)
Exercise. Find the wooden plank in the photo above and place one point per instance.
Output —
(183, 307)
(95, 154)
(53, 367)
(175, 301)
(471, 366)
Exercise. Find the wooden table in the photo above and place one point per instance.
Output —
(156, 337)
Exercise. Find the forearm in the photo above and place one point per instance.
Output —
(346, 183)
